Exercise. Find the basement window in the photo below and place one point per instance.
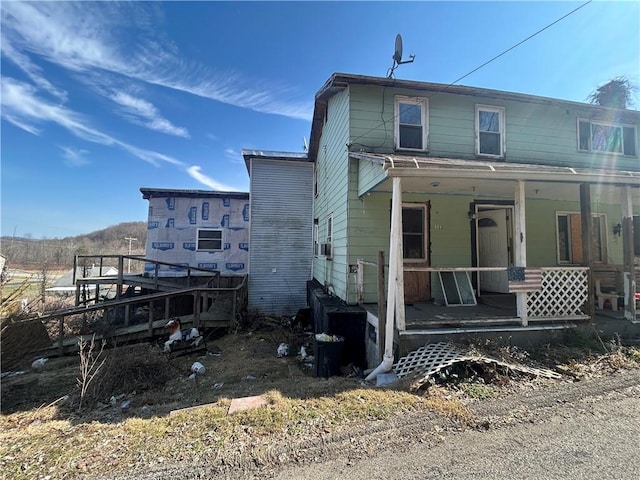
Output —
(209, 240)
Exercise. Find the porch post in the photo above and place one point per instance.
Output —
(629, 273)
(520, 247)
(395, 266)
(587, 243)
(399, 304)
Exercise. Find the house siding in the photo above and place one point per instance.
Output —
(332, 174)
(280, 237)
(174, 220)
(534, 133)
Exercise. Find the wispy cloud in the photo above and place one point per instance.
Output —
(22, 107)
(195, 172)
(82, 36)
(75, 157)
(145, 114)
(233, 155)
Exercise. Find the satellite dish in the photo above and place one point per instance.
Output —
(397, 55)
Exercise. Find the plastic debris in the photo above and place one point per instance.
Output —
(39, 363)
(218, 385)
(198, 368)
(303, 353)
(192, 376)
(283, 350)
(323, 337)
(125, 405)
(249, 377)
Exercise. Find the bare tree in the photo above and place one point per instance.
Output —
(616, 93)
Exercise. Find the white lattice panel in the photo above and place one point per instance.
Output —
(430, 359)
(564, 293)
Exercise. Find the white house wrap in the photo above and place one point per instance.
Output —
(197, 228)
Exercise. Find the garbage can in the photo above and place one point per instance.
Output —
(327, 351)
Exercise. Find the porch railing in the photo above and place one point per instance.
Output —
(563, 294)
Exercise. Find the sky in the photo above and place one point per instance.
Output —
(101, 99)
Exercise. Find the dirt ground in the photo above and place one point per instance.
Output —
(151, 383)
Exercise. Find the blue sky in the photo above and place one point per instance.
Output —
(100, 99)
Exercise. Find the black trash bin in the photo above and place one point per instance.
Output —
(328, 356)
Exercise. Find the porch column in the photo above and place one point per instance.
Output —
(520, 247)
(629, 274)
(587, 243)
(395, 290)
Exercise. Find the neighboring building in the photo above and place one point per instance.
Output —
(455, 183)
(280, 254)
(64, 284)
(198, 228)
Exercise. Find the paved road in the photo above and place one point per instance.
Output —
(592, 438)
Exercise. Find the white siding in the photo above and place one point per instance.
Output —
(280, 239)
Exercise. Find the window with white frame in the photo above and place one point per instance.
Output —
(327, 250)
(411, 123)
(490, 139)
(209, 240)
(606, 137)
(316, 243)
(414, 245)
(569, 238)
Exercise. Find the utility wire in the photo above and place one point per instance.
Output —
(484, 64)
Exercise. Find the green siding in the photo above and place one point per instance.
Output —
(332, 181)
(534, 133)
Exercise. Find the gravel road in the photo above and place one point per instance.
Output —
(582, 430)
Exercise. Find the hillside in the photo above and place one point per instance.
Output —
(59, 252)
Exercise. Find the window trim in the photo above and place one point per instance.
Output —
(424, 117)
(423, 208)
(501, 118)
(198, 249)
(316, 237)
(603, 237)
(622, 127)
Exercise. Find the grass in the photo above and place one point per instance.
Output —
(34, 444)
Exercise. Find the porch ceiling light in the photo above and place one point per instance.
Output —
(435, 184)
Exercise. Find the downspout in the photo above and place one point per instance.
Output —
(395, 253)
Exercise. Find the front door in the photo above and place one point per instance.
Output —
(415, 249)
(493, 248)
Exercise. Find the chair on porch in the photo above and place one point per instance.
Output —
(602, 297)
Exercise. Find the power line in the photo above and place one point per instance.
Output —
(483, 65)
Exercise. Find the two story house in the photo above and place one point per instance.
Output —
(502, 205)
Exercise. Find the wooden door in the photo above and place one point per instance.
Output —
(415, 248)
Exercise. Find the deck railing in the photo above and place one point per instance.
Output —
(562, 296)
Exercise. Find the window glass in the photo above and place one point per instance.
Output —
(629, 134)
(606, 138)
(490, 143)
(489, 121)
(489, 130)
(209, 239)
(410, 137)
(413, 233)
(410, 113)
(411, 123)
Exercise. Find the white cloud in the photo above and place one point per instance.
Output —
(233, 155)
(75, 157)
(144, 113)
(82, 36)
(22, 107)
(195, 172)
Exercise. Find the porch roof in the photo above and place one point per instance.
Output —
(454, 176)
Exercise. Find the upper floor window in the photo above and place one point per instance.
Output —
(606, 137)
(210, 240)
(490, 131)
(411, 125)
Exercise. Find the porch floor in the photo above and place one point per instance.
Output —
(494, 309)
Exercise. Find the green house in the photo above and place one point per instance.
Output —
(447, 209)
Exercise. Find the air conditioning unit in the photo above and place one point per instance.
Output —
(325, 249)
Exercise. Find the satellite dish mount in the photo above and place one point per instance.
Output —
(397, 57)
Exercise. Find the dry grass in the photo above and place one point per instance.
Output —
(37, 440)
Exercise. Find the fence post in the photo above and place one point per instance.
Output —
(382, 306)
(61, 335)
(360, 282)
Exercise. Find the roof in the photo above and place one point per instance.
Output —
(272, 155)
(339, 81)
(148, 193)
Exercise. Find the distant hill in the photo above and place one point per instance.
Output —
(59, 252)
